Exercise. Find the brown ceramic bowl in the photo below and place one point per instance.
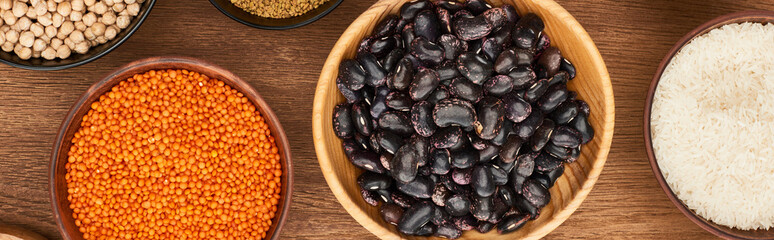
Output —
(719, 230)
(592, 85)
(58, 186)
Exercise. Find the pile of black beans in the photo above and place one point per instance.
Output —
(461, 117)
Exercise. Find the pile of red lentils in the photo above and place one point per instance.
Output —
(173, 154)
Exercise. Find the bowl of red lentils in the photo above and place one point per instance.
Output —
(170, 148)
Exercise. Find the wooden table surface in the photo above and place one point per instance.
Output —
(632, 36)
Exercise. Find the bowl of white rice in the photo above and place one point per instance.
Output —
(709, 125)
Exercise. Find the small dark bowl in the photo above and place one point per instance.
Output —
(72, 122)
(719, 230)
(79, 59)
(239, 15)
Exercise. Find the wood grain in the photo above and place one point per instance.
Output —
(284, 66)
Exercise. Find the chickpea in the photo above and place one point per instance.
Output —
(89, 19)
(19, 9)
(109, 3)
(7, 47)
(55, 43)
(64, 8)
(133, 9)
(63, 52)
(39, 45)
(12, 36)
(76, 36)
(123, 21)
(51, 31)
(89, 3)
(100, 8)
(111, 32)
(37, 29)
(31, 13)
(109, 18)
(57, 20)
(89, 35)
(35, 54)
(26, 39)
(6, 5)
(69, 43)
(41, 8)
(24, 53)
(64, 31)
(23, 24)
(77, 5)
(9, 18)
(51, 6)
(76, 16)
(82, 47)
(45, 19)
(119, 7)
(49, 53)
(130, 1)
(4, 29)
(101, 39)
(80, 26)
(2, 39)
(98, 29)
(45, 39)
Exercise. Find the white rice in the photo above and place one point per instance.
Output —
(712, 125)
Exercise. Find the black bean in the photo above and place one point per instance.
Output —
(369, 197)
(567, 66)
(499, 176)
(379, 103)
(441, 161)
(444, 18)
(440, 93)
(526, 128)
(429, 53)
(489, 152)
(367, 160)
(506, 61)
(373, 181)
(353, 75)
(350, 146)
(385, 159)
(474, 67)
(402, 200)
(387, 26)
(553, 175)
(512, 223)
(503, 36)
(542, 44)
(565, 112)
(507, 195)
(448, 231)
(550, 60)
(465, 223)
(451, 5)
(426, 230)
(365, 44)
(452, 46)
(440, 193)
(581, 124)
(510, 149)
(426, 25)
(491, 48)
(526, 164)
(447, 71)
(523, 76)
(407, 35)
(481, 207)
(523, 36)
(342, 121)
(560, 77)
(454, 187)
(375, 73)
(505, 131)
(405, 164)
(420, 187)
(404, 74)
(546, 163)
(536, 90)
(495, 17)
(468, 29)
(465, 89)
(396, 122)
(477, 6)
(422, 146)
(542, 135)
(552, 98)
(491, 114)
(425, 81)
(565, 136)
(535, 193)
(510, 13)
(542, 179)
(440, 216)
(415, 217)
(422, 119)
(389, 142)
(391, 213)
(482, 182)
(516, 109)
(410, 10)
(507, 166)
(464, 158)
(457, 205)
(390, 62)
(499, 210)
(525, 206)
(454, 111)
(383, 46)
(352, 96)
(361, 119)
(399, 101)
(446, 137)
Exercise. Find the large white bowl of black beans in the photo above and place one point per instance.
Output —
(463, 120)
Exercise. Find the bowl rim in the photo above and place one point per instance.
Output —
(760, 16)
(279, 135)
(140, 19)
(279, 27)
(356, 212)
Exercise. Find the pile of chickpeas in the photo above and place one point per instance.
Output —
(58, 28)
(173, 154)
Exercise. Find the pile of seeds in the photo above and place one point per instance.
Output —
(460, 115)
(277, 8)
(57, 28)
(173, 153)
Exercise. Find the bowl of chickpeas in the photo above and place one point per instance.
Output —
(60, 34)
(169, 147)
